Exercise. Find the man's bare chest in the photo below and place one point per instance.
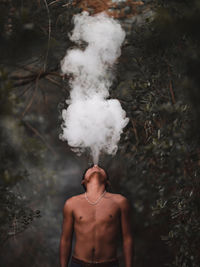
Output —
(103, 213)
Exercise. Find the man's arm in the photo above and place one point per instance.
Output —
(128, 247)
(67, 234)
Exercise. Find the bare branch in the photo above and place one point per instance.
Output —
(36, 132)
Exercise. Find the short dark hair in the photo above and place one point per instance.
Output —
(83, 177)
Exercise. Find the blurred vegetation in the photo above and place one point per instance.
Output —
(24, 63)
(161, 143)
(158, 85)
(15, 146)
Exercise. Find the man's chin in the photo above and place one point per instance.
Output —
(94, 172)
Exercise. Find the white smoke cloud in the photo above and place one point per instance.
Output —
(91, 120)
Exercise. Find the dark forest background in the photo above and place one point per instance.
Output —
(157, 165)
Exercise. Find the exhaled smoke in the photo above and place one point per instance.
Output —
(91, 120)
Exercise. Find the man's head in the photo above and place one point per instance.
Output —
(89, 173)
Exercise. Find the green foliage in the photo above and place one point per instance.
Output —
(161, 143)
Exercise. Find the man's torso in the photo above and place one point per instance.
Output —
(96, 227)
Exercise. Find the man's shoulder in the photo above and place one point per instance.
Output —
(73, 199)
(119, 198)
(71, 203)
(123, 204)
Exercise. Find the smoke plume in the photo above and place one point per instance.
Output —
(91, 120)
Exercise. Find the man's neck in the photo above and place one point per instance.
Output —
(94, 187)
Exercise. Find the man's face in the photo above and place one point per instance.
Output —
(98, 170)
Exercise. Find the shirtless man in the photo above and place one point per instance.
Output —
(97, 218)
